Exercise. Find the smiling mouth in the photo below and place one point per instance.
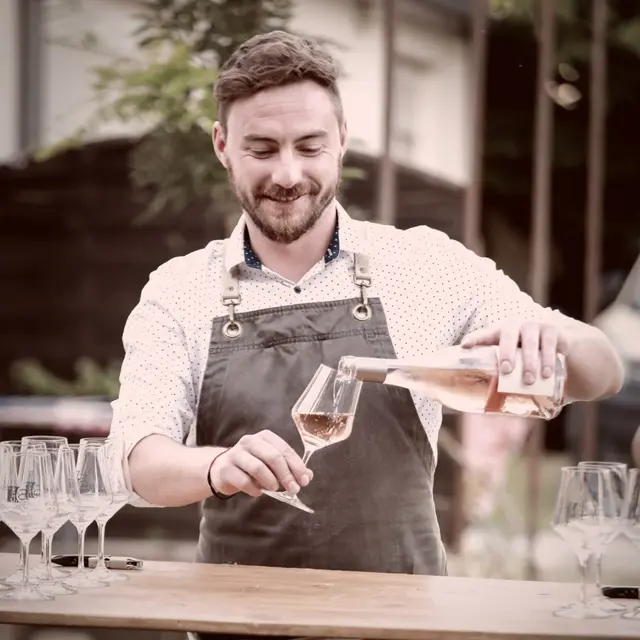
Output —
(285, 200)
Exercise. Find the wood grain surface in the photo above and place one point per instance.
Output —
(174, 596)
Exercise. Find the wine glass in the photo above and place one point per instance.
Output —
(323, 415)
(585, 517)
(94, 496)
(65, 488)
(113, 449)
(51, 443)
(17, 446)
(27, 503)
(619, 480)
(631, 522)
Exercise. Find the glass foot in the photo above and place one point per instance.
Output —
(14, 579)
(83, 580)
(606, 604)
(289, 499)
(28, 593)
(580, 611)
(40, 573)
(634, 614)
(107, 575)
(54, 588)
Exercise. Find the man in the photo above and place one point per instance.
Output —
(224, 340)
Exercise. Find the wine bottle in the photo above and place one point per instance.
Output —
(467, 380)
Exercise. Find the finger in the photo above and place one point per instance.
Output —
(238, 479)
(249, 460)
(548, 350)
(508, 345)
(563, 343)
(530, 339)
(293, 466)
(481, 337)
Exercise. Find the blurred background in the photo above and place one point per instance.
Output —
(512, 125)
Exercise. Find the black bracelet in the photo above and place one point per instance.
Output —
(214, 491)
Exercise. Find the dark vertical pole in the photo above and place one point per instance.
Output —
(473, 202)
(386, 208)
(595, 194)
(540, 252)
(29, 74)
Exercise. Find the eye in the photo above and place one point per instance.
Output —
(261, 153)
(310, 151)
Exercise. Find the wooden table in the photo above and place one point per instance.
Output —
(173, 596)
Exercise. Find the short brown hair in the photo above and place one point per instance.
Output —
(273, 60)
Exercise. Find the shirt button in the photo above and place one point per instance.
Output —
(297, 289)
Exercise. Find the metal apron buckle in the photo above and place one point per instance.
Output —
(230, 298)
(361, 276)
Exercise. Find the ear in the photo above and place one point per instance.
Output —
(344, 138)
(219, 143)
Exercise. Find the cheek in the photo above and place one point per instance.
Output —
(250, 173)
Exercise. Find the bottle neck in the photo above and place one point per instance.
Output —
(365, 369)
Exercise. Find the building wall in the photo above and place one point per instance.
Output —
(429, 130)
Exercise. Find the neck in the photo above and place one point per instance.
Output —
(292, 261)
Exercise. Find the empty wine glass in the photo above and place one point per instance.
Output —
(16, 446)
(619, 481)
(4, 449)
(323, 415)
(94, 496)
(41, 572)
(27, 503)
(113, 449)
(631, 522)
(65, 488)
(585, 516)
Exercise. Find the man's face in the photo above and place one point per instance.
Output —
(283, 151)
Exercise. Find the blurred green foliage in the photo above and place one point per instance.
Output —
(168, 90)
(91, 379)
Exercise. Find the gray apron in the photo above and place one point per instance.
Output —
(372, 494)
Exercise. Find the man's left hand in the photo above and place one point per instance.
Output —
(540, 342)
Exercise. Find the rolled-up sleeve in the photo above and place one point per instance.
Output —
(157, 394)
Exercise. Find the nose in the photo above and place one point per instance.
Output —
(288, 173)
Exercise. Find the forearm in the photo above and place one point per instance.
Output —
(169, 474)
(594, 369)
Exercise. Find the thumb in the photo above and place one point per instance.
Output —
(487, 337)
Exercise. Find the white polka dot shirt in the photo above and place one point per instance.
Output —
(434, 291)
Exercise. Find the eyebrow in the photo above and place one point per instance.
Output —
(318, 133)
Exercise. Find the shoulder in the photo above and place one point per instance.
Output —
(179, 280)
(423, 244)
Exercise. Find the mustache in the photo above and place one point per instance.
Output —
(278, 193)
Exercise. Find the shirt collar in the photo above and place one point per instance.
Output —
(350, 239)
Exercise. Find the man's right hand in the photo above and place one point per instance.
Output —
(259, 461)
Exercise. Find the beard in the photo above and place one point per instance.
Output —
(285, 215)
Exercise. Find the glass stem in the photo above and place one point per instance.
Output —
(43, 551)
(21, 559)
(584, 561)
(101, 563)
(25, 564)
(46, 548)
(81, 533)
(307, 455)
(599, 572)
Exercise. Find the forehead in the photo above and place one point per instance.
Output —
(283, 112)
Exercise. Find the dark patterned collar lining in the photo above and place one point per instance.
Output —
(253, 261)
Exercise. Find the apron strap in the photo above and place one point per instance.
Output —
(231, 293)
(231, 299)
(362, 277)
